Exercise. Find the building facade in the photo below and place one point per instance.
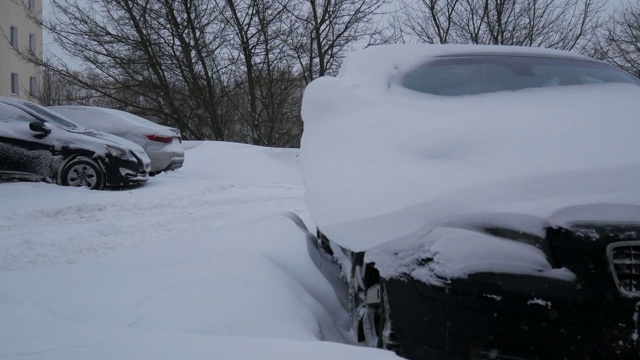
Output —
(18, 78)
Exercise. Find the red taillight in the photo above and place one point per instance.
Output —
(162, 139)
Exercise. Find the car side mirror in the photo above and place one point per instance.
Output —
(40, 127)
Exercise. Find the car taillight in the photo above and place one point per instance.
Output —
(162, 139)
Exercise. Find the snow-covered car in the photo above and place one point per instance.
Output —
(38, 145)
(163, 144)
(482, 202)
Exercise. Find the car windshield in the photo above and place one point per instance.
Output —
(466, 75)
(10, 113)
(53, 117)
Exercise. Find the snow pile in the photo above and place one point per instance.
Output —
(380, 161)
(205, 262)
(449, 252)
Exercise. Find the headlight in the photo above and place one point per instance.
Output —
(120, 152)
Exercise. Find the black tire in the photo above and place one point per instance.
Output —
(387, 338)
(83, 171)
(365, 317)
(372, 322)
(356, 296)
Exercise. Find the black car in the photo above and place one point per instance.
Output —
(38, 145)
(479, 202)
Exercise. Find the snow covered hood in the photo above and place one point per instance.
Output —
(380, 161)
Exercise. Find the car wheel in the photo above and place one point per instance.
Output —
(83, 171)
(387, 337)
(370, 309)
(371, 325)
(365, 312)
(360, 317)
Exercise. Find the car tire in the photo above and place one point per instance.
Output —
(83, 171)
(386, 336)
(372, 322)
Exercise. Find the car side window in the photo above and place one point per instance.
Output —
(467, 75)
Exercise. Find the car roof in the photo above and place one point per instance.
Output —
(436, 50)
(376, 66)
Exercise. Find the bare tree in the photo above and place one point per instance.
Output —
(560, 24)
(620, 42)
(266, 81)
(216, 69)
(54, 90)
(429, 21)
(327, 28)
(158, 58)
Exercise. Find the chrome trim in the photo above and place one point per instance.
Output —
(630, 286)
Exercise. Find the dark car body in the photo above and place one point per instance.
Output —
(510, 316)
(33, 146)
(537, 261)
(162, 144)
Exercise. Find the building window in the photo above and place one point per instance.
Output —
(33, 86)
(32, 43)
(32, 4)
(14, 83)
(13, 37)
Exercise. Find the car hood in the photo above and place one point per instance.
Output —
(528, 205)
(381, 162)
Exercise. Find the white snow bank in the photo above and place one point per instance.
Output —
(242, 164)
(192, 265)
(235, 287)
(44, 225)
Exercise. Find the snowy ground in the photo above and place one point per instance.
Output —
(205, 262)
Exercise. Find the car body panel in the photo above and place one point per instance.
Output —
(483, 222)
(380, 149)
(164, 156)
(27, 154)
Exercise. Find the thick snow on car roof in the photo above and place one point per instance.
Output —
(380, 161)
(379, 64)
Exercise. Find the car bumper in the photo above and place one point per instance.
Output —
(165, 158)
(165, 162)
(174, 164)
(433, 322)
(126, 173)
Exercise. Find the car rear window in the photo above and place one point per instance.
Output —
(465, 75)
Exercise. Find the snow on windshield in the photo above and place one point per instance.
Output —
(380, 161)
(112, 121)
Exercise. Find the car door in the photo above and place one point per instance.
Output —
(25, 154)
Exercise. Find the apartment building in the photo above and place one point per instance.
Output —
(17, 77)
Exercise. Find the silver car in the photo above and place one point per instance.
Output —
(163, 144)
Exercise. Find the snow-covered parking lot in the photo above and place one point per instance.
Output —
(204, 263)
